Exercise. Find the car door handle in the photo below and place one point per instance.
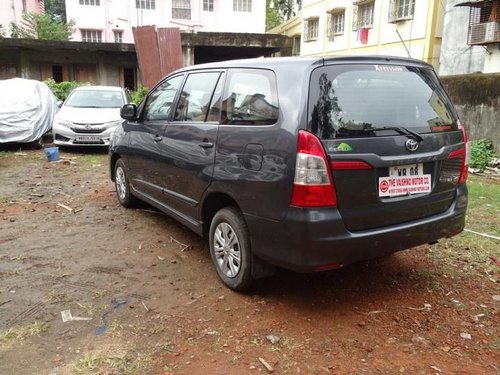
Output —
(157, 138)
(206, 145)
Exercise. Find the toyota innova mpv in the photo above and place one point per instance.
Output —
(305, 163)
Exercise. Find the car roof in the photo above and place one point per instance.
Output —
(305, 61)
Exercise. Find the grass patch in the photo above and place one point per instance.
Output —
(92, 159)
(493, 344)
(7, 198)
(13, 335)
(484, 205)
(113, 362)
(469, 252)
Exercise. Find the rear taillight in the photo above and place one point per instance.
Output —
(463, 153)
(313, 183)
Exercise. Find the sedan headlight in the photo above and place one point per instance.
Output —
(60, 122)
(113, 124)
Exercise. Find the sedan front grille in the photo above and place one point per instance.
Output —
(87, 131)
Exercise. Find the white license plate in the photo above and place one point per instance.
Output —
(416, 169)
(404, 180)
(88, 138)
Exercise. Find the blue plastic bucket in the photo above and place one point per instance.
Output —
(52, 153)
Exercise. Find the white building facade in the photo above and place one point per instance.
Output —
(471, 37)
(112, 20)
(12, 11)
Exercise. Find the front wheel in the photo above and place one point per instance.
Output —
(122, 186)
(230, 248)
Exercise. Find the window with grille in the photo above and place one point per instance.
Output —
(401, 10)
(90, 2)
(145, 4)
(94, 36)
(484, 23)
(118, 36)
(336, 21)
(242, 5)
(311, 27)
(181, 9)
(208, 5)
(363, 16)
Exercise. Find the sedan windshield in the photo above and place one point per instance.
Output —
(95, 99)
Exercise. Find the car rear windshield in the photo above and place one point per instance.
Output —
(359, 100)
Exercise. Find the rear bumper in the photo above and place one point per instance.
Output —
(314, 239)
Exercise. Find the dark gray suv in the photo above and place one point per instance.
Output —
(304, 163)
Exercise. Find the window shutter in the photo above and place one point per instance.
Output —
(392, 11)
(355, 18)
(412, 9)
(306, 31)
(329, 26)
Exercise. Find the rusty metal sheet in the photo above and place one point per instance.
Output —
(159, 52)
(146, 47)
(169, 43)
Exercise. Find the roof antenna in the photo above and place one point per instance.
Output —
(402, 41)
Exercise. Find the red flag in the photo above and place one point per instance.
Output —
(364, 35)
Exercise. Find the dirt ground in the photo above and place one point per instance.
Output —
(156, 306)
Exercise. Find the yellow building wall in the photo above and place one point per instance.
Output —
(422, 35)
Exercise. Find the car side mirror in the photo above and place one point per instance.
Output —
(129, 112)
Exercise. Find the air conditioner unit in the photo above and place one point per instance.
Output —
(484, 33)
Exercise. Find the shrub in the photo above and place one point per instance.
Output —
(138, 96)
(62, 89)
(482, 153)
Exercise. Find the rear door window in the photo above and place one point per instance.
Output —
(194, 101)
(250, 98)
(358, 100)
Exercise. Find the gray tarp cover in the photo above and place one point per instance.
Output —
(27, 109)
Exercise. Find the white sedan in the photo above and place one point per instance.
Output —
(89, 116)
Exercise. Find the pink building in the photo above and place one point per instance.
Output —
(112, 20)
(12, 10)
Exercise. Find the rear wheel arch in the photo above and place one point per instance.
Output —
(213, 203)
(112, 164)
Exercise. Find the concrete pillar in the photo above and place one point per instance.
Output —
(102, 77)
(188, 55)
(24, 63)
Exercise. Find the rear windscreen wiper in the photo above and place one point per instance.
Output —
(401, 130)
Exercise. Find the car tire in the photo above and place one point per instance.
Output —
(230, 249)
(122, 186)
(37, 144)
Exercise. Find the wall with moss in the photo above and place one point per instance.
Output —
(477, 100)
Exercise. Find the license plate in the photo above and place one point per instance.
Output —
(406, 170)
(88, 138)
(404, 180)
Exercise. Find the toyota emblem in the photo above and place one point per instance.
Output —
(88, 126)
(411, 145)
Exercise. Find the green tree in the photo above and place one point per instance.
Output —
(273, 17)
(41, 26)
(56, 9)
(287, 7)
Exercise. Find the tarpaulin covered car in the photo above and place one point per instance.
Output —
(27, 110)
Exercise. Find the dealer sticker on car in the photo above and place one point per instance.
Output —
(404, 180)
